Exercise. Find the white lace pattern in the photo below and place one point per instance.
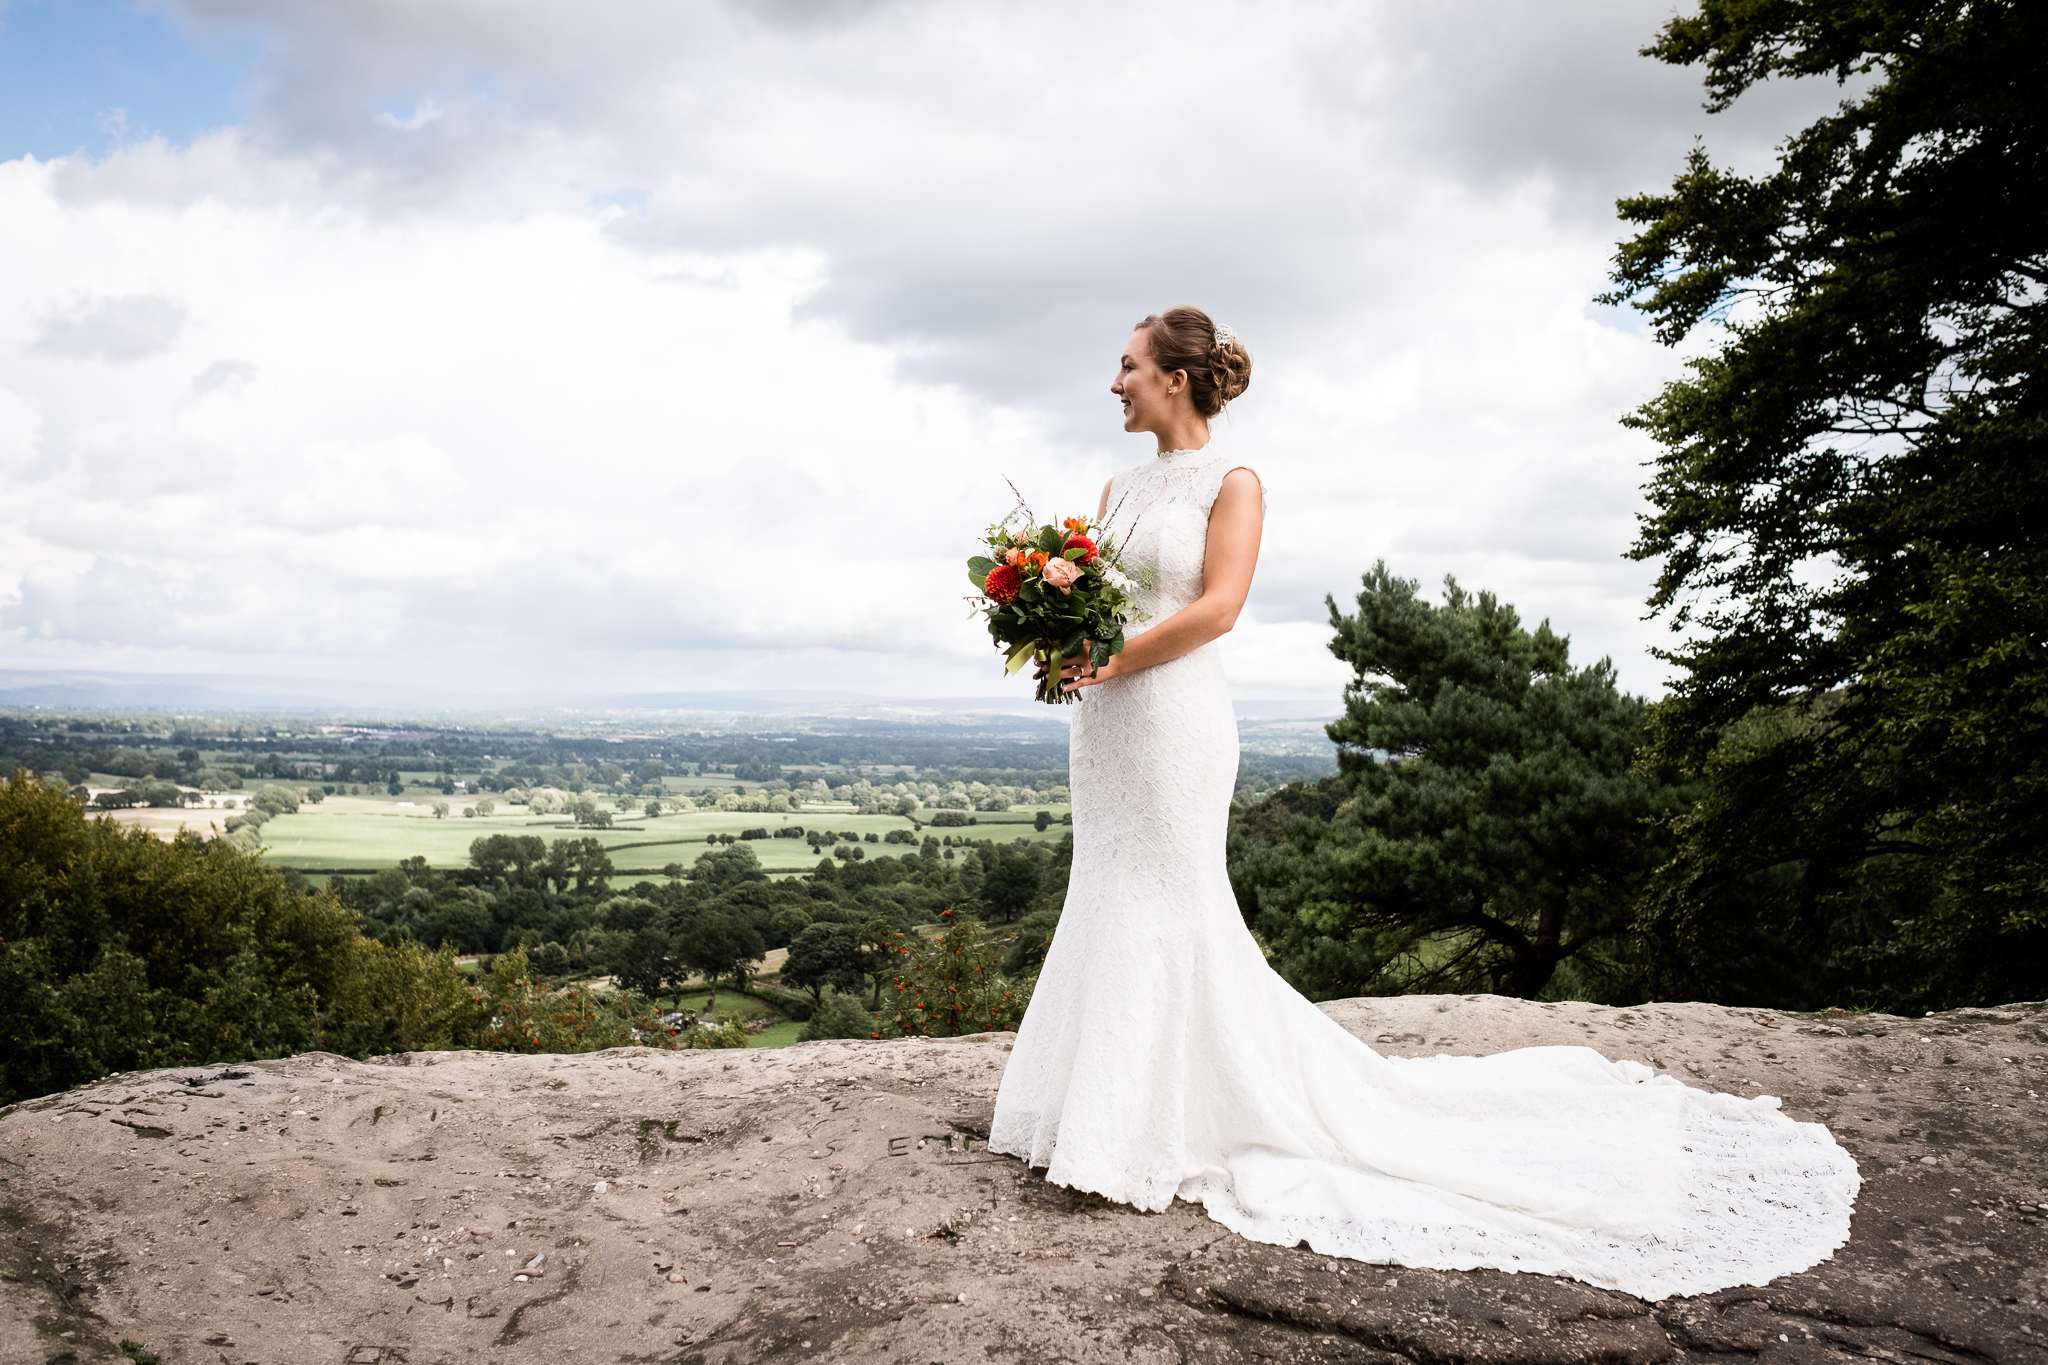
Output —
(1162, 1056)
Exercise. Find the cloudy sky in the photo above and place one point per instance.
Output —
(513, 347)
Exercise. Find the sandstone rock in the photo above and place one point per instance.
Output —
(833, 1201)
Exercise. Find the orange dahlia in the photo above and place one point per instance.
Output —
(1084, 544)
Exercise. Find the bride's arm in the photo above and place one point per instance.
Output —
(1233, 553)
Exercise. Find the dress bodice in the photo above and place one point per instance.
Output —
(1159, 517)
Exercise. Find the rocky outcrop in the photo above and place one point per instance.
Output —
(833, 1201)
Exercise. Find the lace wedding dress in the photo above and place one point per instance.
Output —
(1163, 1057)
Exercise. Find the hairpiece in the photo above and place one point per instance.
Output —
(1224, 336)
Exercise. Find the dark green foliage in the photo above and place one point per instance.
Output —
(827, 954)
(462, 922)
(717, 945)
(121, 952)
(1024, 950)
(1488, 826)
(645, 961)
(551, 962)
(144, 791)
(518, 859)
(1011, 883)
(1028, 939)
(839, 1017)
(727, 867)
(1849, 512)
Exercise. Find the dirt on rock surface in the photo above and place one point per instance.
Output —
(833, 1202)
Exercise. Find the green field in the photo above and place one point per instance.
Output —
(360, 834)
(780, 1034)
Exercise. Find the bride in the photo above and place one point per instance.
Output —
(1162, 1057)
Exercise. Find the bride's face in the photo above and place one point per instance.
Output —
(1148, 392)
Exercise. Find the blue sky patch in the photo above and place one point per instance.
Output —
(89, 75)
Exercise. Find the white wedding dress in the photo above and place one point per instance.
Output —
(1163, 1057)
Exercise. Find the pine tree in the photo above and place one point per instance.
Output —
(1488, 828)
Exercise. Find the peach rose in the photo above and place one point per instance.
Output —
(1061, 573)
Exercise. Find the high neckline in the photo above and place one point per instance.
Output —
(1169, 454)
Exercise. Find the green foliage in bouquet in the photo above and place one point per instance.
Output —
(1048, 590)
(949, 986)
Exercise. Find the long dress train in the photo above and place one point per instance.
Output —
(1162, 1057)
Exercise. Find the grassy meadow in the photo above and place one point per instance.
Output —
(370, 834)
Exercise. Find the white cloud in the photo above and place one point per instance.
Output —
(132, 327)
(683, 346)
(223, 374)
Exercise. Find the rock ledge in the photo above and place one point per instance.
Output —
(833, 1201)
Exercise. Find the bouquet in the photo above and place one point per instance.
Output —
(1047, 589)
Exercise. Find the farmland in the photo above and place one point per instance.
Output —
(358, 834)
(368, 794)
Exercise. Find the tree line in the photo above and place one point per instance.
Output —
(122, 952)
(1844, 800)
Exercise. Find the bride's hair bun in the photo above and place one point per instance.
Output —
(1219, 367)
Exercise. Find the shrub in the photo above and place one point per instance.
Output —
(757, 833)
(949, 819)
(526, 1016)
(253, 818)
(843, 1016)
(1029, 939)
(277, 800)
(713, 1031)
(949, 986)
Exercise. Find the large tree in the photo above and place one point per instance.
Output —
(716, 946)
(827, 954)
(1489, 826)
(1850, 507)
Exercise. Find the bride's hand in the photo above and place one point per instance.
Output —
(1076, 673)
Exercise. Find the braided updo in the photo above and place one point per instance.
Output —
(1218, 368)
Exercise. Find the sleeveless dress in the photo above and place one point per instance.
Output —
(1161, 1056)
